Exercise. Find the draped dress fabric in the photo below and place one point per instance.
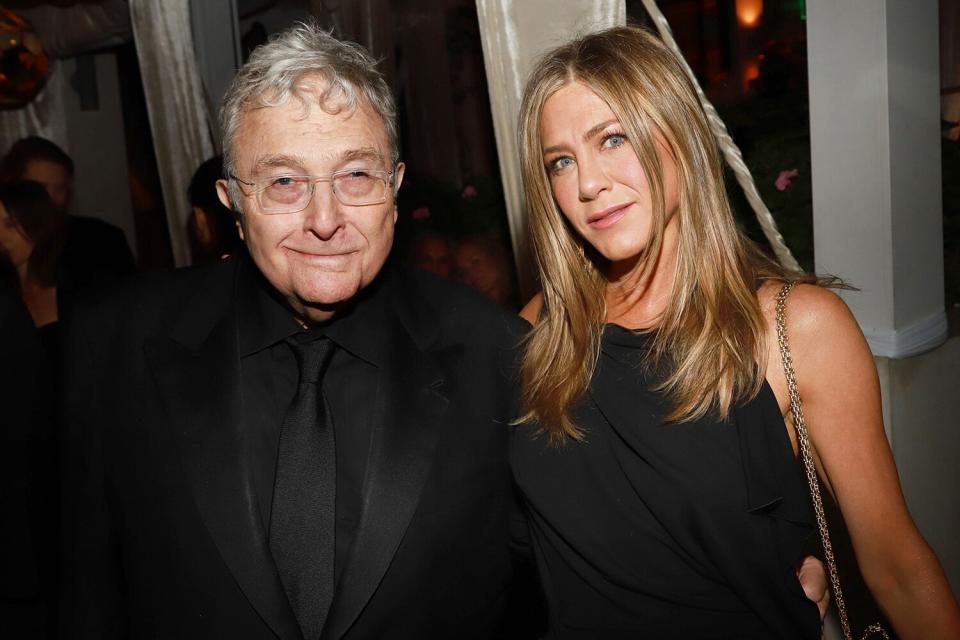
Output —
(654, 530)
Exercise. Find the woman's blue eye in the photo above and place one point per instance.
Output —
(560, 164)
(614, 140)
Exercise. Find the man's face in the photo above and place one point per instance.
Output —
(318, 258)
(53, 177)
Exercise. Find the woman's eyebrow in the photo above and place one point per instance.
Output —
(593, 132)
(598, 129)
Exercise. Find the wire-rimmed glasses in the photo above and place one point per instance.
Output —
(292, 193)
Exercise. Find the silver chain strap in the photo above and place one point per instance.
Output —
(813, 481)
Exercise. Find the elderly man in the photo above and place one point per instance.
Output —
(302, 441)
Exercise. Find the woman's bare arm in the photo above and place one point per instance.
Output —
(838, 383)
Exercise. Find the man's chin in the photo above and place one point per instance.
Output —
(323, 296)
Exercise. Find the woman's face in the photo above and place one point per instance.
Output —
(596, 177)
(13, 241)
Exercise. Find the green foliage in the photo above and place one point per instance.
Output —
(774, 137)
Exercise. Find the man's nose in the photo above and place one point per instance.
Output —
(322, 217)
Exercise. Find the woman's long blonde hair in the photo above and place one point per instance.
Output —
(710, 340)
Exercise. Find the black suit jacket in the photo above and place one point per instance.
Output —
(95, 255)
(163, 533)
(26, 430)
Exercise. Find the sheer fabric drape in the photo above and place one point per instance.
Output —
(65, 31)
(514, 34)
(44, 116)
(175, 100)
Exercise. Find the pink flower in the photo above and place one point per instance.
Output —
(784, 178)
(469, 191)
(420, 213)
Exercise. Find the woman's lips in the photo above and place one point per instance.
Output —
(608, 217)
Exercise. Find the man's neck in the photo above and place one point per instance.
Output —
(310, 316)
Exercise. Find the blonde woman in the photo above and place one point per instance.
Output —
(655, 455)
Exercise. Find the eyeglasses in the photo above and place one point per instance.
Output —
(290, 194)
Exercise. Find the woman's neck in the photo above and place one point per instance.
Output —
(637, 295)
(40, 299)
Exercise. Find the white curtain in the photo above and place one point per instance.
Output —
(45, 116)
(176, 104)
(514, 35)
(67, 31)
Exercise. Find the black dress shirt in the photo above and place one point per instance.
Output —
(269, 381)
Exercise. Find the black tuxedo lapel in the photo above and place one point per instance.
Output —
(414, 387)
(197, 370)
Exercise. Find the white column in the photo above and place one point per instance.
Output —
(875, 151)
(514, 35)
(878, 223)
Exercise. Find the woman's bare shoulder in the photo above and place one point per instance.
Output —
(811, 312)
(531, 311)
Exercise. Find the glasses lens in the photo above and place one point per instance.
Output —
(285, 193)
(357, 187)
(289, 194)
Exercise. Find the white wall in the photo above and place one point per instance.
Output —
(96, 142)
(922, 413)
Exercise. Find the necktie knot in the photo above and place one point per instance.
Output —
(313, 355)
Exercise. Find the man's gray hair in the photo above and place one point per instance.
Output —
(274, 71)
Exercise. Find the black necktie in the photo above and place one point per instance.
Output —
(302, 517)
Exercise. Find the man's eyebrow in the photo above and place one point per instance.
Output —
(593, 132)
(364, 153)
(279, 160)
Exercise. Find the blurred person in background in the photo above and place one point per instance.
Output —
(212, 228)
(31, 243)
(27, 528)
(433, 252)
(32, 237)
(92, 246)
(483, 263)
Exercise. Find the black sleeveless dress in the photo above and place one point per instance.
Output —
(652, 530)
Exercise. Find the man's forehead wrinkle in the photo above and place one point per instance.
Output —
(322, 142)
(294, 161)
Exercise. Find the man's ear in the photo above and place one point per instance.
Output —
(223, 193)
(397, 181)
(398, 177)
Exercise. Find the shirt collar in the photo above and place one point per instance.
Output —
(360, 328)
(264, 318)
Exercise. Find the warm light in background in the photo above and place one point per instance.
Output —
(751, 71)
(748, 12)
